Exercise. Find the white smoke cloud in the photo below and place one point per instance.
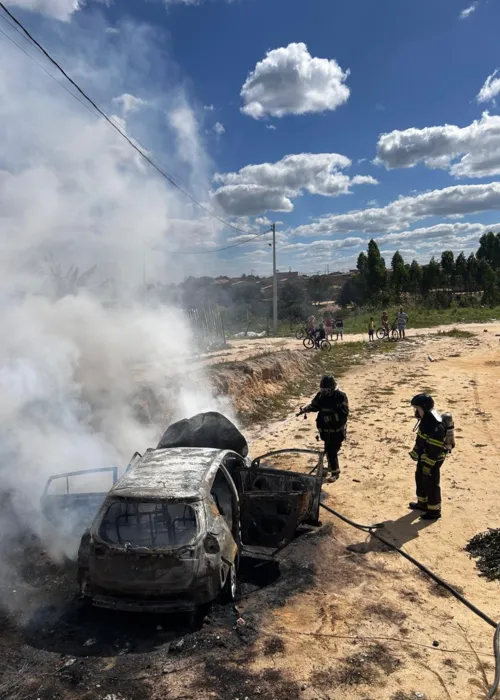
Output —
(74, 371)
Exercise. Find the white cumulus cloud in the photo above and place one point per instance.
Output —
(219, 128)
(315, 173)
(470, 151)
(129, 103)
(467, 12)
(59, 9)
(454, 201)
(490, 89)
(291, 81)
(250, 200)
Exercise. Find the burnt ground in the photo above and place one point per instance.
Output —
(52, 646)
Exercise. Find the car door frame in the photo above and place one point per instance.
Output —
(247, 496)
(46, 499)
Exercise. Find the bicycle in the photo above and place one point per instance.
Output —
(310, 343)
(384, 332)
(301, 333)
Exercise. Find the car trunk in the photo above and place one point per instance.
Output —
(145, 548)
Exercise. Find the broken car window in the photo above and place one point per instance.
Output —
(149, 524)
(221, 493)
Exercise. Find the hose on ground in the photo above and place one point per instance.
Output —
(373, 531)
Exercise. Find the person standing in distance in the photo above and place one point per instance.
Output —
(332, 408)
(429, 453)
(402, 320)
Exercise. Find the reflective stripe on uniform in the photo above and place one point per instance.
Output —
(431, 441)
(427, 460)
(435, 507)
(422, 499)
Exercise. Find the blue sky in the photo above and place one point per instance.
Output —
(216, 86)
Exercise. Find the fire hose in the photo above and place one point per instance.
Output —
(373, 531)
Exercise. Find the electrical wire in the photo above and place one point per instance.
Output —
(13, 41)
(373, 531)
(132, 142)
(217, 250)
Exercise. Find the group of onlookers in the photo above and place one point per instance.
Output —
(399, 324)
(331, 326)
(326, 329)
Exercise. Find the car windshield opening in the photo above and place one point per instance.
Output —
(149, 524)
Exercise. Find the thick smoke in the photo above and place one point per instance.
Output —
(89, 370)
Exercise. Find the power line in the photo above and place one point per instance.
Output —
(217, 250)
(135, 144)
(13, 41)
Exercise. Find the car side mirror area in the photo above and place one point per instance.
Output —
(211, 544)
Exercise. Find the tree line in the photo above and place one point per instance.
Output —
(468, 280)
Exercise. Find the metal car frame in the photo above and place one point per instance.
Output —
(267, 507)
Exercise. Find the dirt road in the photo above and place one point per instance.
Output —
(242, 349)
(323, 622)
(390, 601)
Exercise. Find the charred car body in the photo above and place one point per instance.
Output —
(169, 533)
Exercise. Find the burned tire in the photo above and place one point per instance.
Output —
(308, 343)
(381, 333)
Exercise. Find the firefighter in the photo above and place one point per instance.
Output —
(429, 453)
(332, 408)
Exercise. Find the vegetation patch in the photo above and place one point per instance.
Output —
(456, 333)
(485, 548)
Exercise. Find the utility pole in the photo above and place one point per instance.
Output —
(275, 285)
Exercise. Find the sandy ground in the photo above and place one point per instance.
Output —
(242, 349)
(391, 602)
(323, 622)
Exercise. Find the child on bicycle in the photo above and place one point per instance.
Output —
(319, 335)
(385, 322)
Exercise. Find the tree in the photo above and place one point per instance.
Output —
(353, 292)
(399, 277)
(461, 271)
(431, 276)
(376, 273)
(489, 280)
(318, 287)
(415, 278)
(489, 249)
(472, 270)
(362, 263)
(448, 267)
(292, 300)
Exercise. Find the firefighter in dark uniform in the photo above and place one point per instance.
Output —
(429, 453)
(332, 408)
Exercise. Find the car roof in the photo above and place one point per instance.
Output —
(175, 473)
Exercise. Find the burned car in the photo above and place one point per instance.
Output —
(169, 533)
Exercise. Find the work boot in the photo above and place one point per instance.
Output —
(417, 506)
(333, 476)
(431, 515)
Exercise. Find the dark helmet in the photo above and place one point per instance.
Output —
(424, 401)
(328, 382)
